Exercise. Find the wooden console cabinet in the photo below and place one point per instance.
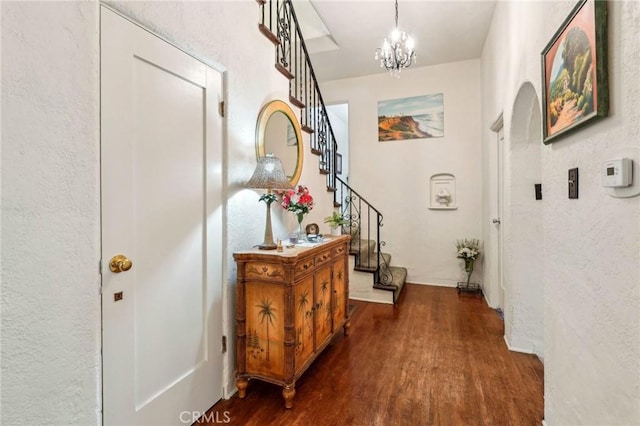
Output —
(289, 306)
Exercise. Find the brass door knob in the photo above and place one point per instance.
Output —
(120, 263)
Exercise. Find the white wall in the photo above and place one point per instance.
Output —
(394, 176)
(339, 118)
(50, 213)
(50, 196)
(591, 255)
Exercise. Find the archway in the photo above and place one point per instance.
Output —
(524, 298)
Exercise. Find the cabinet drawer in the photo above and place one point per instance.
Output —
(265, 271)
(339, 250)
(323, 258)
(305, 266)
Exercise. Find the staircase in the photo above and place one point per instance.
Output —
(279, 24)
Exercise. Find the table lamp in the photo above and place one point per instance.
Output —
(269, 174)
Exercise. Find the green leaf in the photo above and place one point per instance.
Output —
(268, 198)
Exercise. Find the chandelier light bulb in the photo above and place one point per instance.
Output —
(410, 43)
(395, 35)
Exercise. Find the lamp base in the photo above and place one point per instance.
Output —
(267, 246)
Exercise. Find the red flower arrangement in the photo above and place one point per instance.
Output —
(298, 201)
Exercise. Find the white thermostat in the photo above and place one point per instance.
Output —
(617, 173)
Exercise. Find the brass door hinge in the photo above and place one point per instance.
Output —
(221, 109)
(224, 344)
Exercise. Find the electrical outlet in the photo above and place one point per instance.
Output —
(573, 183)
(538, 190)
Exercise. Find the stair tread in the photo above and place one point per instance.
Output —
(361, 248)
(399, 277)
(372, 261)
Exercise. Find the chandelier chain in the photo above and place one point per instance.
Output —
(396, 13)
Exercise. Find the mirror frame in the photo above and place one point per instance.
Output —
(263, 118)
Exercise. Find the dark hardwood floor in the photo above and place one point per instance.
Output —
(437, 358)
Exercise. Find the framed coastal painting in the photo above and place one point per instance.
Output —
(574, 71)
(417, 117)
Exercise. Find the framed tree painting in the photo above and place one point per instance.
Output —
(574, 71)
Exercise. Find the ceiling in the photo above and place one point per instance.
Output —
(342, 36)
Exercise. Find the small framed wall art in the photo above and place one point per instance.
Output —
(443, 192)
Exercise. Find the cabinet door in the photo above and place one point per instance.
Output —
(339, 301)
(303, 320)
(265, 329)
(322, 312)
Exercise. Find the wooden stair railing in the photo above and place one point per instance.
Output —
(280, 25)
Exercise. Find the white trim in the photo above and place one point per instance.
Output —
(498, 124)
(449, 285)
(484, 294)
(216, 66)
(229, 390)
(544, 423)
(362, 299)
(516, 349)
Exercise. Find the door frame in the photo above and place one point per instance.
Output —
(225, 311)
(496, 211)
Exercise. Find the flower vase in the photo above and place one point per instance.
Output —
(468, 268)
(301, 233)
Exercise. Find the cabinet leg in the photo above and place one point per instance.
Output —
(288, 392)
(241, 384)
(347, 326)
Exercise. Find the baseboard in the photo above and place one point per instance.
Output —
(517, 349)
(362, 299)
(484, 294)
(450, 285)
(544, 423)
(229, 390)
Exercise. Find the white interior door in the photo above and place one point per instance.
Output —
(161, 208)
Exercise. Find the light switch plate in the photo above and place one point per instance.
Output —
(573, 183)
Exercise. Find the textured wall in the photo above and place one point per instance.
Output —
(394, 176)
(591, 246)
(50, 214)
(50, 194)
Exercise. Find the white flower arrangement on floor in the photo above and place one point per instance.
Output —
(468, 249)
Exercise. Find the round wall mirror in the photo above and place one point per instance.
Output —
(278, 133)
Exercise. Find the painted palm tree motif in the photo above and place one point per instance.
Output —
(327, 318)
(299, 342)
(324, 288)
(266, 312)
(253, 344)
(336, 299)
(303, 303)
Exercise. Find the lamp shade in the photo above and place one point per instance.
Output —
(269, 174)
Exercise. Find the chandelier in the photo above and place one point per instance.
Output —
(396, 51)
